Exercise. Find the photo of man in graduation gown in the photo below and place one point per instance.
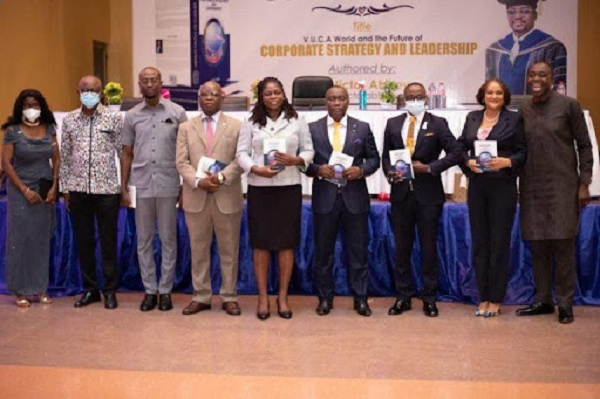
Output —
(509, 58)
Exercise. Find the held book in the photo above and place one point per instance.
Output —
(402, 164)
(340, 163)
(270, 147)
(207, 166)
(485, 150)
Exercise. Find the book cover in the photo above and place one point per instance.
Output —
(270, 147)
(340, 163)
(207, 166)
(402, 164)
(485, 150)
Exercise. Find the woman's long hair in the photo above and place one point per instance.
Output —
(46, 116)
(259, 112)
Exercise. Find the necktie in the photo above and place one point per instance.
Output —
(208, 135)
(410, 139)
(514, 51)
(337, 137)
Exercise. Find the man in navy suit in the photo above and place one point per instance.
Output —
(418, 201)
(346, 204)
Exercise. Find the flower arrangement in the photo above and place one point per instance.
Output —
(113, 92)
(387, 91)
(254, 90)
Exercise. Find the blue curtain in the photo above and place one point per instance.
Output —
(456, 280)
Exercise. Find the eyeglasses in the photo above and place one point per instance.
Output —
(149, 80)
(212, 94)
(415, 98)
(88, 91)
(521, 11)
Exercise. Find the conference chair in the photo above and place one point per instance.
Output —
(235, 103)
(308, 92)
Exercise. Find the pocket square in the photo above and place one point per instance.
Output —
(429, 134)
(168, 120)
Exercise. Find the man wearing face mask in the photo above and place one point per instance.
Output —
(418, 201)
(90, 140)
(149, 145)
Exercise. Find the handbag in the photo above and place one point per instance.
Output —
(45, 186)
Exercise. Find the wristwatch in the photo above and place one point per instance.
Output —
(221, 178)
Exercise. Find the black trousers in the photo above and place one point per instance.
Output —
(406, 215)
(563, 253)
(103, 208)
(356, 241)
(492, 202)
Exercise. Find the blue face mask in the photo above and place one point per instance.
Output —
(416, 107)
(89, 99)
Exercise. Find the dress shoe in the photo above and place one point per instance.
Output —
(284, 314)
(264, 315)
(362, 307)
(324, 307)
(401, 305)
(430, 309)
(164, 302)
(232, 308)
(536, 309)
(110, 301)
(88, 298)
(148, 303)
(195, 307)
(565, 315)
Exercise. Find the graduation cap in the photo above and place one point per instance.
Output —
(510, 3)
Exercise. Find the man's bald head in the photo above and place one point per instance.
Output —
(89, 82)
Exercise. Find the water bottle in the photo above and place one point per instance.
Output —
(362, 97)
(441, 90)
(431, 94)
(561, 88)
(441, 99)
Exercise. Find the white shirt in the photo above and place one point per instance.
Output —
(343, 130)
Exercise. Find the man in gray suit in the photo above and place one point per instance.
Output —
(148, 157)
(212, 202)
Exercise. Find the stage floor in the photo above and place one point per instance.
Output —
(56, 351)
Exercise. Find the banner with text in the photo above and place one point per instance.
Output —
(455, 44)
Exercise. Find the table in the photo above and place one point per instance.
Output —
(456, 279)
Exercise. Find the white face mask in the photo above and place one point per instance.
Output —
(31, 114)
(415, 107)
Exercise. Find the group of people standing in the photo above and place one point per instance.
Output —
(157, 144)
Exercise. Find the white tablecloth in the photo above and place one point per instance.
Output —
(377, 120)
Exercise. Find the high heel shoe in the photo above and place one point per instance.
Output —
(264, 315)
(45, 299)
(283, 314)
(23, 302)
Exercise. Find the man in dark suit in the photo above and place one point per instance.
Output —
(335, 204)
(418, 201)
